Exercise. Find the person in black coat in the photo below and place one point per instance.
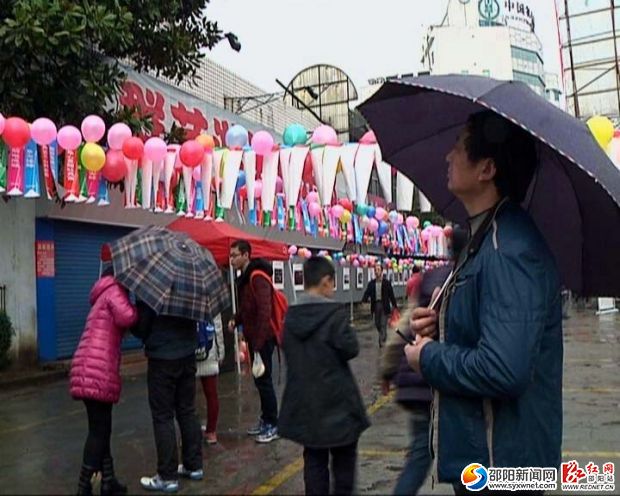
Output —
(322, 408)
(382, 300)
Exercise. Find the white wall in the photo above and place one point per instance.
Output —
(17, 272)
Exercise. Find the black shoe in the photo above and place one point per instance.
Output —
(84, 486)
(109, 483)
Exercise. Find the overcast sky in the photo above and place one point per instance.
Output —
(365, 38)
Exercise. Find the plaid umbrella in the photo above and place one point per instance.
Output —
(171, 273)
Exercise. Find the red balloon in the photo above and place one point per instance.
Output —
(133, 148)
(16, 132)
(243, 192)
(191, 153)
(346, 203)
(115, 168)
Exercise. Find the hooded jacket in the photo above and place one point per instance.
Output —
(322, 406)
(255, 304)
(95, 369)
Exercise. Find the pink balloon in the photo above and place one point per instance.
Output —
(448, 231)
(380, 213)
(373, 225)
(369, 138)
(312, 197)
(258, 188)
(343, 262)
(356, 263)
(412, 223)
(93, 128)
(400, 219)
(292, 250)
(1, 123)
(69, 137)
(117, 135)
(197, 173)
(365, 221)
(324, 135)
(279, 185)
(262, 143)
(337, 211)
(43, 131)
(155, 149)
(314, 209)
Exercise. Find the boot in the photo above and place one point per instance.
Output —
(84, 486)
(109, 484)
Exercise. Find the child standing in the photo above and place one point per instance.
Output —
(322, 408)
(208, 370)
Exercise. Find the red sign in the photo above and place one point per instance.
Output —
(44, 251)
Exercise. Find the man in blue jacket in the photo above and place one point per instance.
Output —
(493, 350)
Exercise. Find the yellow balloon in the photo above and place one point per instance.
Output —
(93, 157)
(602, 129)
(346, 217)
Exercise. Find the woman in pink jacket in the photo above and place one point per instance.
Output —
(96, 380)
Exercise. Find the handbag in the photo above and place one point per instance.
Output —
(258, 367)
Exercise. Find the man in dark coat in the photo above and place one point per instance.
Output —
(254, 315)
(382, 300)
(322, 408)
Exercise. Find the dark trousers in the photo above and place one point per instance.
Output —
(418, 461)
(172, 393)
(381, 322)
(316, 469)
(264, 384)
(97, 445)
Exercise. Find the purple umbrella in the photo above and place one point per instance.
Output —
(574, 197)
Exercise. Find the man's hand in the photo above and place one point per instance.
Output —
(413, 352)
(423, 322)
(231, 325)
(385, 387)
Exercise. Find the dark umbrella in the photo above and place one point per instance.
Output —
(574, 196)
(171, 273)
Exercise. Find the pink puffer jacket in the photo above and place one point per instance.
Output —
(95, 369)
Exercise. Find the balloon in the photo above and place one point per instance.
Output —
(400, 220)
(365, 221)
(93, 157)
(115, 168)
(383, 228)
(240, 180)
(380, 213)
(324, 135)
(346, 204)
(337, 211)
(117, 135)
(345, 218)
(207, 142)
(295, 134)
(93, 128)
(312, 197)
(243, 192)
(314, 209)
(242, 357)
(307, 253)
(16, 132)
(371, 211)
(155, 149)
(2, 121)
(43, 131)
(258, 188)
(393, 216)
(191, 153)
(373, 225)
(356, 263)
(236, 136)
(369, 138)
(427, 223)
(133, 148)
(361, 209)
(279, 184)
(602, 129)
(196, 174)
(343, 262)
(412, 223)
(292, 250)
(69, 137)
(262, 143)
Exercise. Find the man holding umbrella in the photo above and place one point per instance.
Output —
(493, 350)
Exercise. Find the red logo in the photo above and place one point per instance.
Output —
(572, 473)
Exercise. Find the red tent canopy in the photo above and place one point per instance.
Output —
(218, 236)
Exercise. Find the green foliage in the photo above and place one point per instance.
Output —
(6, 336)
(176, 134)
(60, 58)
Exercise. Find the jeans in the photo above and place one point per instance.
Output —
(264, 384)
(172, 393)
(380, 322)
(418, 461)
(316, 469)
(97, 445)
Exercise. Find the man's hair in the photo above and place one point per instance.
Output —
(243, 246)
(511, 147)
(315, 269)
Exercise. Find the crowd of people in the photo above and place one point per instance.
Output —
(476, 355)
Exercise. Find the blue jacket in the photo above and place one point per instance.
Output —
(499, 371)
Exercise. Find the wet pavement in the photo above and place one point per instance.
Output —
(42, 429)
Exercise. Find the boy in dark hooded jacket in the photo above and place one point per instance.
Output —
(322, 408)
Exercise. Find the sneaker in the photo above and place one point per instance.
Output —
(191, 474)
(270, 433)
(210, 438)
(156, 483)
(257, 429)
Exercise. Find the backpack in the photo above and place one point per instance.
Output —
(206, 336)
(279, 308)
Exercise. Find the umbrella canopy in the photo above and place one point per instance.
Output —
(575, 193)
(171, 273)
(218, 236)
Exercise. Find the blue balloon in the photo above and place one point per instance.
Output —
(247, 148)
(371, 211)
(237, 136)
(240, 179)
(383, 228)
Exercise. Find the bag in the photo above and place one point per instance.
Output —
(279, 307)
(206, 336)
(258, 367)
(394, 318)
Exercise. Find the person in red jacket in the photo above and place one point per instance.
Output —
(95, 378)
(254, 315)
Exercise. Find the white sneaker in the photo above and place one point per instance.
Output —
(156, 483)
(190, 474)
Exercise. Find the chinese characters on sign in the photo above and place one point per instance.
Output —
(589, 478)
(44, 253)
